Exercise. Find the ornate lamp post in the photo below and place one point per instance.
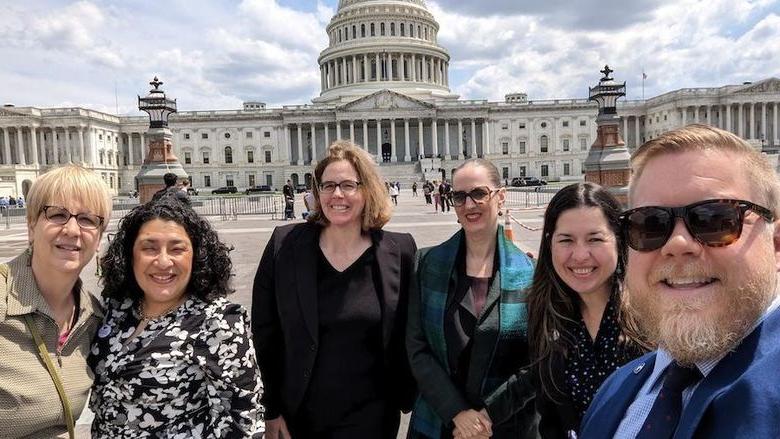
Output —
(160, 159)
(608, 162)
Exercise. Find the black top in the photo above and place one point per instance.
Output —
(580, 373)
(347, 373)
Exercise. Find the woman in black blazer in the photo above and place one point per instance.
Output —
(329, 310)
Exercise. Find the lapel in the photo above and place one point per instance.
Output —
(388, 268)
(605, 418)
(722, 376)
(305, 272)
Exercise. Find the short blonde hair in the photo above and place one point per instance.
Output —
(69, 182)
(698, 137)
(377, 210)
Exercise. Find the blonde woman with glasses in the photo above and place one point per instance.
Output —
(329, 310)
(47, 320)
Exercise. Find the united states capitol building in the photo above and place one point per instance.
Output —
(385, 85)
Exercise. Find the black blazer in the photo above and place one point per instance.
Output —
(285, 320)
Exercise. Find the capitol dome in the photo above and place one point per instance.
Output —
(383, 44)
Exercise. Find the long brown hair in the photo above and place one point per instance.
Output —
(552, 305)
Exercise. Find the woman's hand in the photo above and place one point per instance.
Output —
(276, 429)
(471, 424)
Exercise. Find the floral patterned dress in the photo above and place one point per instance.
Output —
(189, 374)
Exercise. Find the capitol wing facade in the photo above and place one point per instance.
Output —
(384, 85)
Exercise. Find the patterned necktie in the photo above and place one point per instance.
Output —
(663, 418)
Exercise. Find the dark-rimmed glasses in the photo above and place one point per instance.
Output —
(60, 216)
(347, 187)
(714, 223)
(478, 195)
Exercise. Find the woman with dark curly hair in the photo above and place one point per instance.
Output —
(578, 334)
(174, 358)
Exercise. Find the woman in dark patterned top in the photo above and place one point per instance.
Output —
(174, 358)
(578, 335)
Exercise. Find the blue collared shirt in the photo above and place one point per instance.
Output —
(639, 409)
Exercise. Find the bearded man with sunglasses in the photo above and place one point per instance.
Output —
(701, 280)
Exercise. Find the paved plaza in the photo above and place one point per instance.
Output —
(249, 234)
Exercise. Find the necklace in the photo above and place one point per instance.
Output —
(147, 317)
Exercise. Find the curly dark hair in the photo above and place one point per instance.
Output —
(211, 264)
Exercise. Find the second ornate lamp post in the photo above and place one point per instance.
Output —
(160, 159)
(608, 162)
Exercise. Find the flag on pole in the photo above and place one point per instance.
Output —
(644, 75)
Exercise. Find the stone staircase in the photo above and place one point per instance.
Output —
(405, 173)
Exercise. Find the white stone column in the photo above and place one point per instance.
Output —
(684, 115)
(764, 133)
(313, 143)
(327, 137)
(365, 134)
(485, 137)
(414, 68)
(401, 67)
(34, 145)
(741, 127)
(407, 156)
(393, 149)
(91, 135)
(461, 156)
(696, 114)
(6, 147)
(435, 136)
(473, 138)
(68, 146)
(378, 68)
(777, 123)
(129, 148)
(55, 146)
(378, 140)
(366, 69)
(338, 130)
(355, 74)
(288, 139)
(424, 69)
(352, 131)
(20, 147)
(447, 148)
(637, 139)
(389, 61)
(751, 121)
(344, 72)
(300, 145)
(625, 129)
(728, 118)
(421, 140)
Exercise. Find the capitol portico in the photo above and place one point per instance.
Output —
(385, 86)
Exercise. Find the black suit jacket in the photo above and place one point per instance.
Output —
(285, 321)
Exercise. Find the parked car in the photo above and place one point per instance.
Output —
(301, 188)
(225, 190)
(260, 188)
(192, 191)
(527, 181)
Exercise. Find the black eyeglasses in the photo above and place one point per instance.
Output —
(478, 195)
(60, 216)
(714, 223)
(347, 186)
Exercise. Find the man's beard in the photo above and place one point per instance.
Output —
(706, 327)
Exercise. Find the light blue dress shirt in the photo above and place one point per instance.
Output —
(639, 409)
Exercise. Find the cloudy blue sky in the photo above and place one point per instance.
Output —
(214, 54)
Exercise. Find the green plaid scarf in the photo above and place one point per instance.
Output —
(434, 273)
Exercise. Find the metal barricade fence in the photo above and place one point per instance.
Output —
(518, 198)
(227, 208)
(12, 215)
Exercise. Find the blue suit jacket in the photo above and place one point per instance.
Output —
(740, 398)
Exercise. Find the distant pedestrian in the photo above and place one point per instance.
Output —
(414, 189)
(444, 195)
(12, 201)
(20, 202)
(171, 189)
(427, 192)
(289, 200)
(394, 194)
(436, 197)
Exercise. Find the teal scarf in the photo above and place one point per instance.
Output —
(434, 273)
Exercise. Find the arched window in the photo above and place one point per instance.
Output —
(228, 154)
(419, 32)
(354, 31)
(346, 33)
(426, 32)
(543, 143)
(403, 30)
(381, 29)
(373, 31)
(339, 35)
(392, 29)
(362, 30)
